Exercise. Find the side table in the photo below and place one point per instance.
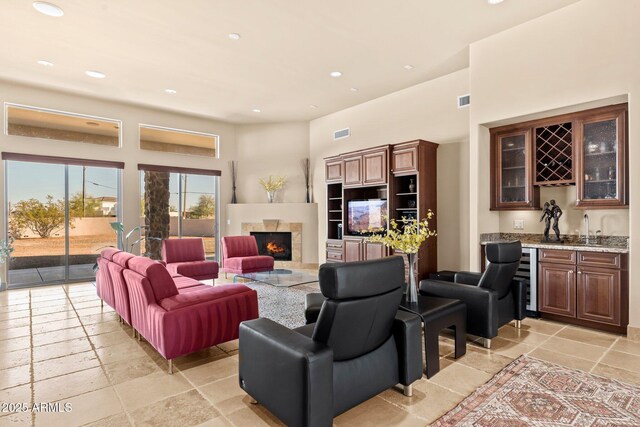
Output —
(438, 314)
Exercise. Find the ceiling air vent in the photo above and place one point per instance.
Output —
(342, 133)
(464, 101)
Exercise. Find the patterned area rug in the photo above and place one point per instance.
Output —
(282, 305)
(530, 392)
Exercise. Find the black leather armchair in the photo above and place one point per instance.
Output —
(494, 297)
(360, 346)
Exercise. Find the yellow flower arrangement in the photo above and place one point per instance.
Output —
(273, 184)
(406, 235)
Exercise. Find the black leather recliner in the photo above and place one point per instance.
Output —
(360, 346)
(494, 297)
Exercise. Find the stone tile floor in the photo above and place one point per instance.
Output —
(58, 345)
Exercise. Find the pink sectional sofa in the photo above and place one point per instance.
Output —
(116, 268)
(177, 315)
(240, 255)
(186, 257)
(104, 284)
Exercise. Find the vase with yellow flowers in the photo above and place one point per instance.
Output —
(272, 185)
(406, 235)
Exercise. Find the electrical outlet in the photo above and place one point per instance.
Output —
(518, 224)
(228, 222)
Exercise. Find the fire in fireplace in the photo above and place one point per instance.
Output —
(275, 244)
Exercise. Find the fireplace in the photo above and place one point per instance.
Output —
(275, 244)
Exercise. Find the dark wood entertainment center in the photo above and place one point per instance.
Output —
(404, 174)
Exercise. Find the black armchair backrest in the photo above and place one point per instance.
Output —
(504, 259)
(362, 301)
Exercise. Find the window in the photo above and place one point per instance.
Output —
(176, 203)
(48, 124)
(178, 141)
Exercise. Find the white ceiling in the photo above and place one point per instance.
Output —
(280, 65)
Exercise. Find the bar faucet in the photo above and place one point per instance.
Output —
(586, 221)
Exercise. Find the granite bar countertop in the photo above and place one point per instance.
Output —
(615, 244)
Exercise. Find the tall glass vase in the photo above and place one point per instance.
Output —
(412, 287)
(271, 196)
(4, 275)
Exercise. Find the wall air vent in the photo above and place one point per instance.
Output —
(342, 133)
(464, 101)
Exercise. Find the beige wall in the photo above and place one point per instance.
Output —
(426, 111)
(612, 222)
(271, 149)
(576, 55)
(129, 152)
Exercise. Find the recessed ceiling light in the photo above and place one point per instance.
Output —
(234, 36)
(45, 63)
(408, 67)
(335, 74)
(354, 89)
(48, 9)
(494, 1)
(171, 91)
(314, 106)
(256, 110)
(93, 123)
(95, 74)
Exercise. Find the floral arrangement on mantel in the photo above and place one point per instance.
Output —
(406, 235)
(272, 185)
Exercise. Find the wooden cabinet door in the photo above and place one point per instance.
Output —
(598, 291)
(352, 249)
(374, 250)
(601, 175)
(375, 167)
(353, 171)
(333, 170)
(512, 183)
(405, 160)
(557, 289)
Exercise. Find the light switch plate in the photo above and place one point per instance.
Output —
(228, 222)
(518, 224)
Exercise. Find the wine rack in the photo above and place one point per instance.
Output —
(554, 154)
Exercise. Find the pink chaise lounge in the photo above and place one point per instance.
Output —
(176, 321)
(240, 255)
(186, 257)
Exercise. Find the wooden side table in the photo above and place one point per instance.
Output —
(438, 314)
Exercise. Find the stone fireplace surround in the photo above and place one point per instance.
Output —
(274, 225)
(301, 219)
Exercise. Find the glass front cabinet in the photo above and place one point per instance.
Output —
(512, 181)
(587, 149)
(602, 174)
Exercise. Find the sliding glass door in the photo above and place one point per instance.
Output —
(176, 205)
(198, 213)
(93, 206)
(36, 222)
(58, 216)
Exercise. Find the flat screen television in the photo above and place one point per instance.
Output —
(365, 214)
